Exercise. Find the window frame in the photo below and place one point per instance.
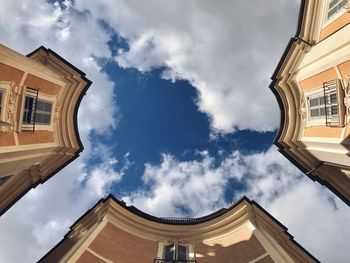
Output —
(328, 20)
(321, 120)
(190, 255)
(41, 97)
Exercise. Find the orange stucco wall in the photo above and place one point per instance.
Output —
(87, 257)
(42, 85)
(267, 259)
(335, 25)
(7, 139)
(36, 137)
(121, 247)
(323, 131)
(317, 80)
(10, 74)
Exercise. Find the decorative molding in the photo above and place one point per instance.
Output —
(347, 100)
(10, 106)
(303, 108)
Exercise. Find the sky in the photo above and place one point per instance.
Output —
(179, 120)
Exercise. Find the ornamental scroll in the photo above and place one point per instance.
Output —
(303, 108)
(10, 106)
(347, 100)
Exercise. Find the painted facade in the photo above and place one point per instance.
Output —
(39, 96)
(113, 232)
(312, 85)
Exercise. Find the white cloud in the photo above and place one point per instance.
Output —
(226, 49)
(311, 212)
(43, 216)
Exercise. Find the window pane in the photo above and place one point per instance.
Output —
(46, 118)
(28, 103)
(181, 252)
(321, 100)
(333, 98)
(333, 3)
(39, 105)
(169, 252)
(334, 110)
(28, 110)
(315, 112)
(47, 107)
(314, 102)
(322, 111)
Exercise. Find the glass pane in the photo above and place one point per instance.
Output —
(342, 3)
(181, 253)
(334, 110)
(38, 117)
(28, 103)
(333, 3)
(315, 112)
(322, 111)
(47, 107)
(169, 253)
(333, 98)
(46, 118)
(39, 105)
(314, 102)
(321, 100)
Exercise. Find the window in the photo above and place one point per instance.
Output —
(335, 6)
(175, 252)
(36, 111)
(29, 110)
(323, 105)
(43, 112)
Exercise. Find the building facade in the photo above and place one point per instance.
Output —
(112, 232)
(39, 98)
(312, 85)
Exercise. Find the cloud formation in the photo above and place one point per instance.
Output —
(226, 49)
(194, 188)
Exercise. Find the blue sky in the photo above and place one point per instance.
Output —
(179, 120)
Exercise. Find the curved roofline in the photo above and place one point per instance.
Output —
(180, 221)
(83, 76)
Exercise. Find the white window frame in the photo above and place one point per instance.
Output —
(336, 15)
(45, 98)
(321, 119)
(6, 88)
(190, 255)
